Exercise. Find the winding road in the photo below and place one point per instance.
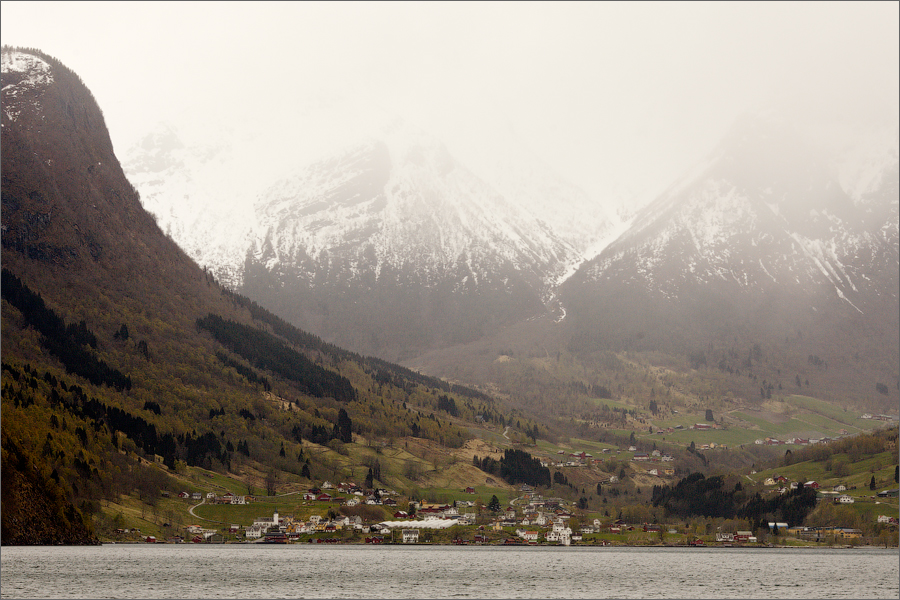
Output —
(196, 516)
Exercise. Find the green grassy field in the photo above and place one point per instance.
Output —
(831, 411)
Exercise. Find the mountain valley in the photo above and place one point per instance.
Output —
(388, 309)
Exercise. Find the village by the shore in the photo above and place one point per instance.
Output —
(530, 519)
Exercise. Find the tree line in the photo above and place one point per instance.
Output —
(515, 466)
(698, 495)
(69, 343)
(266, 352)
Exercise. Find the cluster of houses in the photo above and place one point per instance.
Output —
(797, 441)
(355, 495)
(582, 459)
(736, 537)
(820, 534)
(286, 528)
(836, 494)
(878, 417)
(213, 498)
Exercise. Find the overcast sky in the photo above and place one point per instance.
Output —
(605, 93)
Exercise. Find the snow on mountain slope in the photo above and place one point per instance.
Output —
(22, 73)
(401, 200)
(398, 218)
(764, 211)
(209, 186)
(387, 198)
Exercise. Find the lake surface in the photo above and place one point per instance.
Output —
(301, 571)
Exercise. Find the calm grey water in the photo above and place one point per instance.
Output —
(257, 571)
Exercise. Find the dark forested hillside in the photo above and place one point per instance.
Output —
(119, 352)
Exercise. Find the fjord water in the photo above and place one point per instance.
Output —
(259, 571)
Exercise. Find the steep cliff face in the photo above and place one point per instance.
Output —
(74, 229)
(66, 201)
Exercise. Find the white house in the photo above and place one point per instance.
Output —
(410, 536)
(844, 499)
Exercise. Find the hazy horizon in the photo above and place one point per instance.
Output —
(618, 98)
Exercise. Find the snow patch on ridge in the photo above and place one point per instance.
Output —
(36, 74)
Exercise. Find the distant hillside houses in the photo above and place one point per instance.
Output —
(795, 441)
(879, 417)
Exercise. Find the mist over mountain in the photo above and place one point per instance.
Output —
(390, 245)
(399, 244)
(774, 240)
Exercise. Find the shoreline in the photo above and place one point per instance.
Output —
(492, 545)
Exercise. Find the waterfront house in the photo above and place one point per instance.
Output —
(744, 536)
(410, 536)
